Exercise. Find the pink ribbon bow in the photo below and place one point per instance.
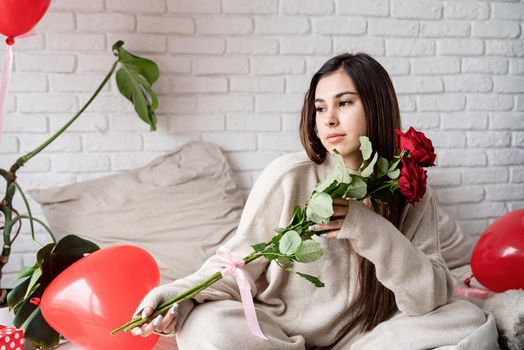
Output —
(235, 267)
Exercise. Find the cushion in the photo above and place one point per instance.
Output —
(179, 207)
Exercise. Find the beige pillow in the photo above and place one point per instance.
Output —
(180, 207)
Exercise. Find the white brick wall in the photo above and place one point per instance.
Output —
(233, 72)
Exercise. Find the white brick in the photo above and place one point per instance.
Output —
(506, 120)
(253, 121)
(190, 6)
(487, 65)
(134, 6)
(461, 47)
(508, 11)
(307, 7)
(250, 7)
(171, 63)
(8, 144)
(378, 8)
(281, 25)
(461, 157)
(197, 45)
(34, 42)
(199, 84)
(394, 65)
(517, 174)
(165, 25)
(221, 65)
(45, 62)
(466, 10)
(508, 48)
(257, 84)
(182, 104)
(443, 176)
(290, 122)
(481, 210)
(504, 192)
(80, 163)
(517, 138)
(39, 164)
(96, 63)
(310, 45)
(206, 122)
(516, 205)
(297, 84)
(370, 45)
(106, 104)
(11, 104)
(232, 141)
(416, 9)
(46, 103)
(313, 64)
(252, 46)
(445, 29)
(112, 142)
(87, 122)
(392, 27)
(505, 156)
(464, 120)
(339, 25)
(77, 82)
(15, 123)
(280, 142)
(490, 139)
(446, 139)
(421, 121)
(59, 21)
(441, 102)
(140, 43)
(75, 42)
(132, 122)
(278, 103)
(435, 65)
(520, 103)
(224, 25)
(167, 142)
(468, 83)
(64, 143)
(27, 83)
(78, 4)
(404, 85)
(485, 176)
(132, 160)
(277, 65)
(517, 66)
(250, 160)
(14, 265)
(496, 29)
(509, 84)
(460, 194)
(406, 103)
(493, 102)
(105, 22)
(227, 103)
(46, 181)
(410, 47)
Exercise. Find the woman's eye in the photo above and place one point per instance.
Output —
(319, 109)
(345, 103)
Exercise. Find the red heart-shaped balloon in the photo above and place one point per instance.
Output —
(18, 17)
(98, 294)
(497, 260)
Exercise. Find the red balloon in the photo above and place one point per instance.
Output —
(98, 294)
(18, 17)
(497, 260)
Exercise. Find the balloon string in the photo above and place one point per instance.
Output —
(4, 84)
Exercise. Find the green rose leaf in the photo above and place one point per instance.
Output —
(393, 165)
(259, 247)
(341, 170)
(289, 243)
(286, 263)
(365, 147)
(368, 170)
(320, 208)
(383, 165)
(309, 251)
(312, 279)
(328, 184)
(394, 174)
(357, 189)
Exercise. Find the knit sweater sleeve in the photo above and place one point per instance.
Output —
(408, 263)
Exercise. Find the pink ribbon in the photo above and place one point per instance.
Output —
(235, 267)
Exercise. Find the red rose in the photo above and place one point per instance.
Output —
(412, 180)
(419, 146)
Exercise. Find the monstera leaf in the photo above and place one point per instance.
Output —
(51, 260)
(134, 79)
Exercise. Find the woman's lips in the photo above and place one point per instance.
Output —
(336, 139)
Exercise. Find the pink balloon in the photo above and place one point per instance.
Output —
(98, 294)
(497, 260)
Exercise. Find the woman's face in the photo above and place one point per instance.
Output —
(340, 110)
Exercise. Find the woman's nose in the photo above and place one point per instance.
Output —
(332, 118)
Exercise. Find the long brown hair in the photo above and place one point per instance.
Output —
(375, 303)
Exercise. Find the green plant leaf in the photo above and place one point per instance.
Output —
(368, 170)
(357, 189)
(39, 333)
(393, 165)
(312, 279)
(27, 271)
(286, 263)
(328, 183)
(35, 277)
(394, 174)
(320, 208)
(134, 79)
(16, 295)
(289, 243)
(297, 215)
(309, 251)
(383, 165)
(340, 190)
(259, 247)
(341, 170)
(365, 147)
(26, 309)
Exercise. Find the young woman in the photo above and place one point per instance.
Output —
(386, 284)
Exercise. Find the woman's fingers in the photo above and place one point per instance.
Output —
(162, 323)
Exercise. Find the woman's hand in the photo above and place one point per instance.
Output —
(340, 209)
(162, 324)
